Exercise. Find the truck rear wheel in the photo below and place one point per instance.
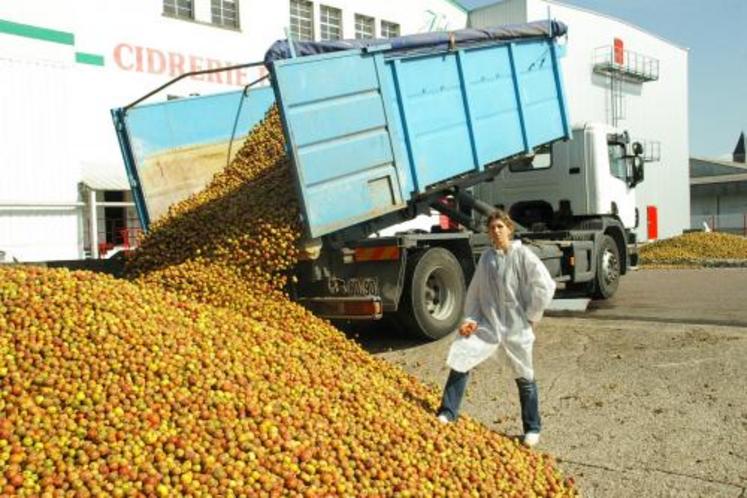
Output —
(433, 299)
(607, 276)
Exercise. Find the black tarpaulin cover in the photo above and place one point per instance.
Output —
(437, 41)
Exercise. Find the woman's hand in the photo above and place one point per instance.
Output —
(467, 328)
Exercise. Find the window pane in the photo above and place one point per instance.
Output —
(389, 29)
(364, 26)
(301, 20)
(178, 8)
(224, 13)
(330, 23)
(618, 164)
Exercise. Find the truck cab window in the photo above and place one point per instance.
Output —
(618, 165)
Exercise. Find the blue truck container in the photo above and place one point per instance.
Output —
(375, 128)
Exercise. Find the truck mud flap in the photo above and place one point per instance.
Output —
(583, 258)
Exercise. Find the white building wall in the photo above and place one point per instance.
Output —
(656, 110)
(39, 209)
(512, 12)
(57, 94)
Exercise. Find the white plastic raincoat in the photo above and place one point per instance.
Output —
(507, 291)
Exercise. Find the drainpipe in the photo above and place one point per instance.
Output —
(93, 221)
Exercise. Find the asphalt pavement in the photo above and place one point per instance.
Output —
(709, 296)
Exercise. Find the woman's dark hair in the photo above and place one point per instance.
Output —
(500, 214)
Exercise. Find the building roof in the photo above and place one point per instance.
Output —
(705, 171)
(710, 180)
(738, 154)
(706, 166)
(104, 176)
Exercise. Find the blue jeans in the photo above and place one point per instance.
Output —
(456, 384)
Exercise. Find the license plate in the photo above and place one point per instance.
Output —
(353, 287)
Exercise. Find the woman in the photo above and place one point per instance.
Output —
(506, 299)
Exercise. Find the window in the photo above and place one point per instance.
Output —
(330, 23)
(618, 163)
(301, 20)
(179, 8)
(389, 29)
(225, 13)
(364, 27)
(542, 160)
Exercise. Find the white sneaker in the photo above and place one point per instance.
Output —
(442, 418)
(531, 439)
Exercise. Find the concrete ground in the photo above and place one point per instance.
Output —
(645, 395)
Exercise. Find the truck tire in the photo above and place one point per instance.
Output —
(607, 275)
(433, 299)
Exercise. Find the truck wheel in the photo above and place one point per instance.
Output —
(433, 299)
(607, 276)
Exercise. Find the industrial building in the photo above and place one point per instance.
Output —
(65, 194)
(718, 192)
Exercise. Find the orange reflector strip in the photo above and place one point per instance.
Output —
(381, 253)
(347, 308)
(573, 260)
(361, 308)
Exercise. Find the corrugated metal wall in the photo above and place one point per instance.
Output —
(723, 206)
(39, 218)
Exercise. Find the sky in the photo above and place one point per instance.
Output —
(715, 33)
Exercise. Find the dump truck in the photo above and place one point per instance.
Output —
(383, 132)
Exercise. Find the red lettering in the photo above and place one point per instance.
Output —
(229, 74)
(216, 77)
(241, 77)
(119, 53)
(195, 64)
(176, 64)
(156, 61)
(139, 59)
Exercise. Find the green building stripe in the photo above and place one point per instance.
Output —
(50, 35)
(92, 59)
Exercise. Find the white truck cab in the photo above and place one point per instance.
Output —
(593, 174)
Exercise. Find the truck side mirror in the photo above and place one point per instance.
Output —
(637, 148)
(636, 170)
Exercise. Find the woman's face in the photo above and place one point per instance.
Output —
(499, 233)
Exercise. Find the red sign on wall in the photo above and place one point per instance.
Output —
(652, 217)
(619, 51)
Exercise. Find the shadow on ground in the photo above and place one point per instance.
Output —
(378, 336)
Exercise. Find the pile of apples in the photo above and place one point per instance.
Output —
(694, 248)
(197, 376)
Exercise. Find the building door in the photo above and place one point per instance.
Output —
(115, 218)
